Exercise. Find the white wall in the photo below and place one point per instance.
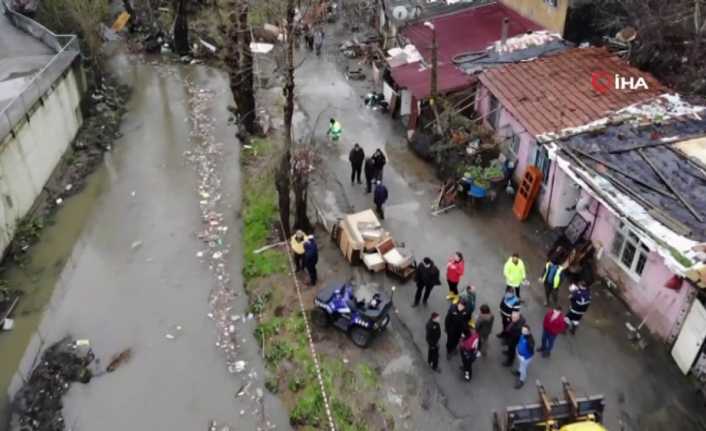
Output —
(28, 158)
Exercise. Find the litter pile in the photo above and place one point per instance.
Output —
(206, 156)
(38, 404)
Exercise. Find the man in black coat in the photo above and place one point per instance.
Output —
(427, 276)
(455, 325)
(433, 337)
(369, 174)
(379, 160)
(356, 157)
(511, 336)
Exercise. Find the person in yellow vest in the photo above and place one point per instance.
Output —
(515, 274)
(297, 245)
(552, 280)
(334, 130)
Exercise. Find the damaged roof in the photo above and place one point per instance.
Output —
(661, 167)
(468, 30)
(555, 92)
(464, 38)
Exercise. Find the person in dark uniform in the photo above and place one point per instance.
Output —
(356, 157)
(455, 325)
(369, 170)
(433, 337)
(508, 304)
(426, 276)
(580, 301)
(311, 258)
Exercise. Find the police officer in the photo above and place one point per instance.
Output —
(334, 130)
(433, 336)
(508, 305)
(580, 301)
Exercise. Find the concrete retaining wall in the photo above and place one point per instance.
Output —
(29, 155)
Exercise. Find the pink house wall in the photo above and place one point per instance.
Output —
(506, 123)
(646, 293)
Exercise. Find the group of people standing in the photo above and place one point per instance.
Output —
(372, 167)
(467, 334)
(314, 38)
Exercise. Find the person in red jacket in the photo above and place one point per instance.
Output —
(454, 272)
(554, 325)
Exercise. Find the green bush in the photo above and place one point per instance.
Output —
(309, 407)
(267, 330)
(278, 352)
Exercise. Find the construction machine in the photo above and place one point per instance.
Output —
(570, 414)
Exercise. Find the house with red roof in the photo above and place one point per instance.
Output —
(623, 166)
(463, 37)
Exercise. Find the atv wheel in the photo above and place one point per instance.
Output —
(361, 337)
(320, 318)
(385, 322)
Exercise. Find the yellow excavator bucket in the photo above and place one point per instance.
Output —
(583, 426)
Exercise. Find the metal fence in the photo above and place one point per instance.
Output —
(67, 49)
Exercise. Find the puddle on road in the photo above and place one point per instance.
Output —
(39, 276)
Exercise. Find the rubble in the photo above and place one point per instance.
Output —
(38, 404)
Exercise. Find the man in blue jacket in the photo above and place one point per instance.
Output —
(525, 353)
(380, 197)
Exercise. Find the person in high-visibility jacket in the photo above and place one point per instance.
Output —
(514, 272)
(334, 130)
(552, 280)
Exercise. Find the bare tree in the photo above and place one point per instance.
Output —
(282, 180)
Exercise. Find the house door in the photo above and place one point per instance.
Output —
(691, 337)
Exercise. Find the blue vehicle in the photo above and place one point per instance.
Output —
(355, 309)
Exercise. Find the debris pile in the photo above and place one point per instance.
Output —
(38, 404)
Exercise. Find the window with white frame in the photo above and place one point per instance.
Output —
(629, 251)
(541, 160)
(512, 141)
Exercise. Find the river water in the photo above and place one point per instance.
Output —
(134, 279)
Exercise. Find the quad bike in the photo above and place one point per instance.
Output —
(357, 310)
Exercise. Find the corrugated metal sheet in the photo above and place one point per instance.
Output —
(555, 92)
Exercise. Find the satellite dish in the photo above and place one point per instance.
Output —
(400, 13)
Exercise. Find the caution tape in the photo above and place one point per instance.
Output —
(312, 348)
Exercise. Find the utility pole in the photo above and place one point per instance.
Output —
(434, 78)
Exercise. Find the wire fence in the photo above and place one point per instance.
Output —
(66, 48)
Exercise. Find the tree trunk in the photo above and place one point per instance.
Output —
(246, 94)
(181, 29)
(284, 171)
(282, 184)
(301, 217)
